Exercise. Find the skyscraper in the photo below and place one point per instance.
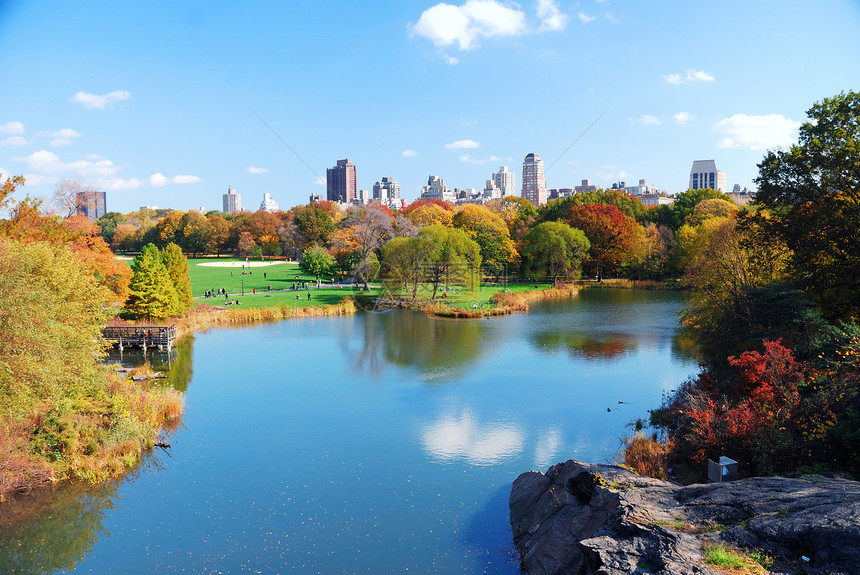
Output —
(91, 204)
(506, 181)
(534, 183)
(386, 190)
(268, 204)
(232, 201)
(342, 182)
(704, 174)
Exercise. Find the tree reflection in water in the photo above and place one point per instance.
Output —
(55, 528)
(440, 349)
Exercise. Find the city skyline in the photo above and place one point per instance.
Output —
(167, 105)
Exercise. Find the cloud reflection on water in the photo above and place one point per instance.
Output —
(460, 436)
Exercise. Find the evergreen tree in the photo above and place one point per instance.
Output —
(152, 294)
(177, 266)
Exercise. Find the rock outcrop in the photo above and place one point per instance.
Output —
(580, 518)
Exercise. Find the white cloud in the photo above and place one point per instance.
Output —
(11, 129)
(447, 24)
(119, 184)
(320, 181)
(683, 117)
(408, 153)
(673, 78)
(186, 179)
(585, 18)
(463, 145)
(15, 141)
(693, 75)
(611, 17)
(690, 75)
(64, 137)
(756, 132)
(100, 101)
(547, 448)
(551, 18)
(48, 162)
(451, 60)
(159, 180)
(256, 170)
(648, 120)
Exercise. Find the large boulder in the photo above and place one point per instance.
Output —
(583, 518)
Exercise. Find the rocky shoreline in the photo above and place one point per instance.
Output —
(585, 518)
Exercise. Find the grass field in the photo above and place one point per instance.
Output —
(280, 276)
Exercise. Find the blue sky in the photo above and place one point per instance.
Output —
(160, 103)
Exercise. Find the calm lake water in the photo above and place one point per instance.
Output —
(379, 443)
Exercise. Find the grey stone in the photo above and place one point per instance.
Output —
(584, 518)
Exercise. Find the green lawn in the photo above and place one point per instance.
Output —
(280, 276)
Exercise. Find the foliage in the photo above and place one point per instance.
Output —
(491, 234)
(317, 261)
(711, 208)
(813, 191)
(559, 209)
(612, 234)
(519, 214)
(554, 249)
(646, 456)
(152, 294)
(314, 225)
(430, 214)
(52, 313)
(686, 202)
(452, 258)
(177, 269)
(724, 266)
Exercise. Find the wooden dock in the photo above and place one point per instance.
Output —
(161, 337)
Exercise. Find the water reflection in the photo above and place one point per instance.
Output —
(60, 529)
(175, 364)
(440, 349)
(584, 345)
(547, 448)
(458, 435)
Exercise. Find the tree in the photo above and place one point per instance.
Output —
(314, 225)
(712, 208)
(430, 214)
(368, 228)
(405, 262)
(219, 233)
(724, 263)
(686, 202)
(66, 200)
(169, 228)
(177, 267)
(52, 313)
(194, 232)
(813, 191)
(108, 223)
(490, 232)
(152, 295)
(453, 258)
(518, 214)
(246, 244)
(317, 261)
(610, 231)
(554, 249)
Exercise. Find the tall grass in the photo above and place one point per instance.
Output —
(201, 318)
(501, 303)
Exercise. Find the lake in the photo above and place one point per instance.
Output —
(379, 443)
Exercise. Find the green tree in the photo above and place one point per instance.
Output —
(314, 225)
(177, 267)
(453, 258)
(108, 223)
(51, 315)
(152, 295)
(554, 249)
(405, 260)
(686, 202)
(317, 261)
(813, 192)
